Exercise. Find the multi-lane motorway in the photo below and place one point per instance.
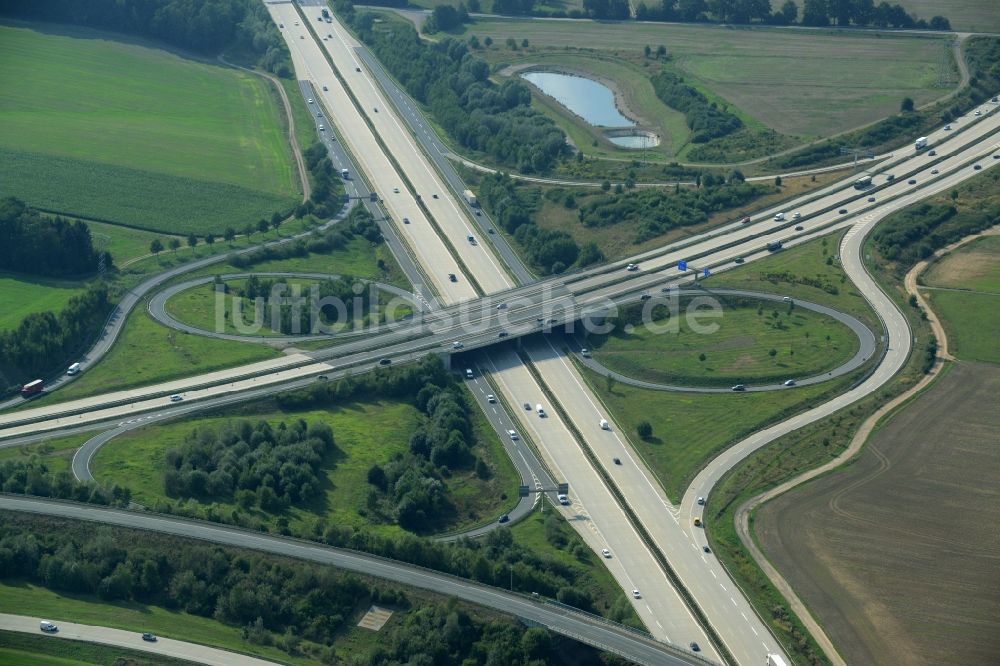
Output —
(436, 231)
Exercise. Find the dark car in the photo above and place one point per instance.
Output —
(799, 228)
(503, 519)
(322, 378)
(694, 647)
(932, 153)
(527, 406)
(491, 230)
(706, 549)
(618, 461)
(842, 211)
(435, 196)
(912, 181)
(357, 69)
(451, 276)
(871, 199)
(978, 167)
(502, 334)
(151, 638)
(385, 361)
(644, 297)
(738, 260)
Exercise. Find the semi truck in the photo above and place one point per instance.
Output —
(776, 660)
(470, 198)
(863, 182)
(32, 388)
(921, 143)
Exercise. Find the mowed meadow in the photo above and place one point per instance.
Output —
(126, 133)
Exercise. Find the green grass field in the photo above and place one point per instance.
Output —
(971, 320)
(802, 272)
(33, 600)
(150, 138)
(690, 428)
(23, 295)
(975, 266)
(199, 307)
(791, 81)
(365, 433)
(147, 352)
(738, 351)
(57, 453)
(17, 649)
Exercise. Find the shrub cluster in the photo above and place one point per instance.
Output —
(31, 477)
(705, 120)
(253, 463)
(37, 245)
(656, 211)
(411, 484)
(551, 250)
(916, 232)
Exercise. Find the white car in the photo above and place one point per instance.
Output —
(606, 553)
(563, 500)
(175, 398)
(491, 398)
(789, 382)
(48, 627)
(632, 267)
(395, 190)
(310, 100)
(701, 501)
(457, 345)
(513, 435)
(502, 306)
(778, 217)
(585, 352)
(796, 216)
(635, 593)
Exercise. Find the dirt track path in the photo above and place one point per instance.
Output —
(860, 437)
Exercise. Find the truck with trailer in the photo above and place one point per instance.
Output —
(470, 198)
(863, 182)
(32, 388)
(921, 143)
(776, 660)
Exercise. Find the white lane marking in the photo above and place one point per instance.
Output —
(734, 602)
(713, 574)
(754, 630)
(744, 616)
(723, 587)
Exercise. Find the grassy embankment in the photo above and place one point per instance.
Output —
(17, 649)
(152, 140)
(805, 344)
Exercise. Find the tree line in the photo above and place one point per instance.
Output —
(43, 341)
(33, 477)
(814, 12)
(250, 463)
(656, 211)
(705, 119)
(455, 86)
(205, 26)
(302, 608)
(38, 245)
(916, 232)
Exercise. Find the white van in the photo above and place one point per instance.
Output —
(468, 373)
(605, 425)
(779, 217)
(48, 627)
(540, 410)
(73, 369)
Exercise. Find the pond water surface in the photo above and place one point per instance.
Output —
(588, 99)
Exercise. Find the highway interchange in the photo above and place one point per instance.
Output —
(595, 511)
